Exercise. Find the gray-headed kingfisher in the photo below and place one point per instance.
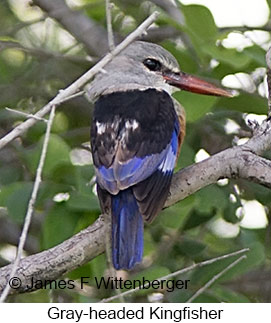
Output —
(136, 134)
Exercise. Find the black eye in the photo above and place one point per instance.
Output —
(152, 64)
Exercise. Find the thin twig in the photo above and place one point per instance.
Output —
(172, 9)
(31, 204)
(179, 272)
(27, 115)
(268, 63)
(213, 279)
(79, 83)
(243, 29)
(110, 35)
(73, 96)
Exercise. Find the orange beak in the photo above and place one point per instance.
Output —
(191, 83)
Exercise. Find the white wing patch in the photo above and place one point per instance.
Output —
(169, 162)
(100, 127)
(131, 124)
(111, 126)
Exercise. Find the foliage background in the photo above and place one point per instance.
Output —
(38, 57)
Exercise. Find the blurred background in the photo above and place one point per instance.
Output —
(44, 46)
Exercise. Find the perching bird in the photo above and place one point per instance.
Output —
(136, 133)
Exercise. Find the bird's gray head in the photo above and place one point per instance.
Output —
(144, 65)
(154, 57)
(139, 66)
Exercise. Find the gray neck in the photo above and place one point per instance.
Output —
(124, 74)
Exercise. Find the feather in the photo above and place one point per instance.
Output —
(127, 231)
(134, 140)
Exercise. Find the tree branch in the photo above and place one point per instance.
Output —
(85, 30)
(54, 262)
(110, 35)
(237, 162)
(266, 27)
(157, 35)
(268, 63)
(171, 9)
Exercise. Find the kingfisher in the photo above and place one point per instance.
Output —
(136, 134)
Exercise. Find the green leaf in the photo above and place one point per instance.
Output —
(6, 72)
(40, 296)
(175, 216)
(179, 296)
(149, 243)
(256, 53)
(245, 102)
(185, 59)
(196, 106)
(205, 298)
(61, 123)
(223, 69)
(196, 17)
(218, 245)
(95, 11)
(187, 156)
(16, 197)
(226, 295)
(197, 218)
(260, 192)
(98, 267)
(9, 174)
(83, 271)
(190, 248)
(227, 55)
(17, 201)
(6, 191)
(59, 225)
(229, 213)
(57, 155)
(209, 198)
(83, 202)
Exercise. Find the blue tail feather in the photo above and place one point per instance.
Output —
(127, 230)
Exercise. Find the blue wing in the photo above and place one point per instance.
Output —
(134, 140)
(121, 175)
(149, 177)
(152, 193)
